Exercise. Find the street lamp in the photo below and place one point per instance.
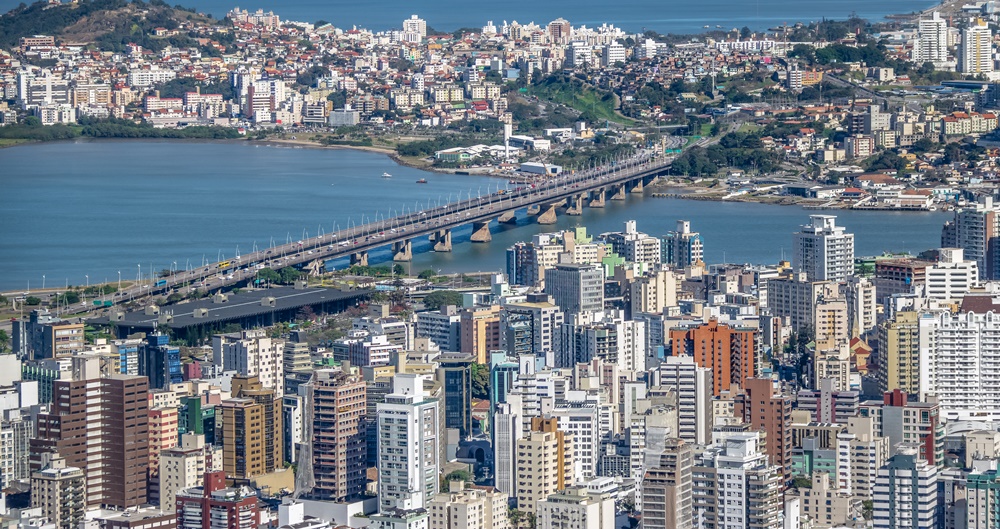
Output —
(43, 281)
(119, 280)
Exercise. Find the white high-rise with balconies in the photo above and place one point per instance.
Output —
(408, 445)
(960, 364)
(932, 41)
(823, 250)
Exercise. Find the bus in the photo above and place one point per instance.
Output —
(225, 264)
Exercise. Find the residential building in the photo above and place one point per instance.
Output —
(682, 248)
(633, 245)
(667, 488)
(184, 466)
(442, 327)
(409, 445)
(59, 491)
(338, 442)
(215, 506)
(479, 332)
(112, 412)
(825, 505)
(45, 336)
(975, 230)
(906, 493)
(529, 327)
(250, 430)
(730, 353)
(957, 364)
(899, 354)
(932, 41)
(823, 250)
(721, 475)
(544, 463)
(763, 407)
(918, 424)
(469, 507)
(976, 52)
(159, 361)
(692, 385)
(454, 372)
(576, 287)
(252, 354)
(576, 508)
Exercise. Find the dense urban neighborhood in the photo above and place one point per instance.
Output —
(588, 380)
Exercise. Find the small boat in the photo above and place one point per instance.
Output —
(511, 181)
(422, 181)
(386, 175)
(717, 26)
(706, 26)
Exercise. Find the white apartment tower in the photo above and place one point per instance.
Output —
(932, 41)
(252, 354)
(823, 250)
(906, 495)
(977, 48)
(745, 487)
(408, 445)
(959, 364)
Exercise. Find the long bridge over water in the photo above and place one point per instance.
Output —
(545, 199)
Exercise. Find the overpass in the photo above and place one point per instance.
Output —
(568, 193)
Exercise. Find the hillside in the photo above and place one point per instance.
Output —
(108, 22)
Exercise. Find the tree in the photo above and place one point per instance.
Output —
(398, 269)
(4, 340)
(32, 301)
(289, 275)
(441, 298)
(266, 275)
(426, 274)
(867, 509)
(480, 381)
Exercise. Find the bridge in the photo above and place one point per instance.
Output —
(544, 199)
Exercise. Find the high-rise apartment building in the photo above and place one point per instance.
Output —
(576, 287)
(735, 487)
(730, 353)
(544, 463)
(899, 354)
(59, 492)
(162, 436)
(45, 336)
(976, 53)
(975, 230)
(653, 292)
(441, 326)
(159, 361)
(982, 494)
(667, 488)
(409, 444)
(479, 332)
(454, 372)
(250, 429)
(918, 424)
(184, 466)
(692, 384)
(529, 327)
(823, 250)
(932, 41)
(559, 31)
(958, 364)
(763, 407)
(112, 413)
(252, 354)
(634, 246)
(338, 445)
(682, 248)
(906, 493)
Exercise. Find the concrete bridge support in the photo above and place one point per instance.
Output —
(481, 232)
(402, 250)
(359, 258)
(597, 198)
(508, 218)
(547, 213)
(619, 192)
(315, 268)
(534, 210)
(442, 241)
(636, 186)
(574, 205)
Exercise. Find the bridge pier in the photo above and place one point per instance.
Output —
(636, 187)
(534, 210)
(619, 192)
(597, 198)
(481, 232)
(442, 241)
(315, 268)
(574, 205)
(402, 250)
(547, 213)
(359, 259)
(509, 217)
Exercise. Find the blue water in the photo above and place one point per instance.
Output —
(95, 208)
(670, 16)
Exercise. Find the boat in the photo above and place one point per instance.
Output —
(386, 175)
(706, 26)
(512, 181)
(717, 26)
(422, 181)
